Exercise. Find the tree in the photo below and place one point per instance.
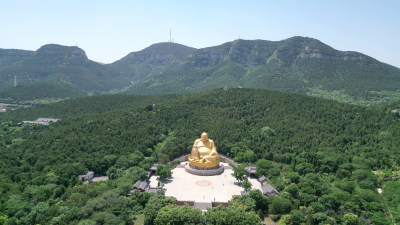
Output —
(37, 193)
(318, 218)
(155, 203)
(227, 216)
(280, 206)
(107, 218)
(293, 190)
(317, 207)
(87, 222)
(239, 172)
(179, 215)
(293, 177)
(261, 200)
(135, 158)
(114, 173)
(296, 217)
(3, 219)
(247, 156)
(263, 167)
(163, 171)
(242, 202)
(38, 213)
(304, 168)
(17, 204)
(217, 215)
(351, 219)
(246, 184)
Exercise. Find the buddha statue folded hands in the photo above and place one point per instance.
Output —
(204, 153)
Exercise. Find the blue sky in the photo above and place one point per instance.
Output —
(109, 30)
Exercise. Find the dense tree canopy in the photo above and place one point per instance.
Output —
(327, 159)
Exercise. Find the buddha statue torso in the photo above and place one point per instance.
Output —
(204, 153)
(204, 148)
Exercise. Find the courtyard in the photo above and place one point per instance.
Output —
(188, 187)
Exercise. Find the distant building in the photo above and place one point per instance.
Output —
(2, 108)
(269, 190)
(87, 177)
(141, 185)
(251, 170)
(153, 167)
(47, 120)
(394, 110)
(98, 179)
(42, 121)
(155, 189)
(262, 179)
(244, 193)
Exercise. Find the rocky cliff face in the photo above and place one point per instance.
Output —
(256, 53)
(331, 57)
(153, 59)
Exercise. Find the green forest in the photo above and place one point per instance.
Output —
(327, 159)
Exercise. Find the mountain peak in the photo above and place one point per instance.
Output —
(60, 52)
(158, 54)
(163, 48)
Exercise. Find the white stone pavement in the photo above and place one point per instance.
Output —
(188, 187)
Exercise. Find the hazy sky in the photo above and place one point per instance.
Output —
(109, 30)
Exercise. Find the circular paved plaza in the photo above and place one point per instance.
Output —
(188, 187)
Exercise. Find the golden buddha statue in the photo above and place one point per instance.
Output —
(204, 153)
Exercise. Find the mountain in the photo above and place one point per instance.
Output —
(66, 70)
(139, 66)
(297, 64)
(11, 56)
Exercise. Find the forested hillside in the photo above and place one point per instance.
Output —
(11, 56)
(296, 65)
(321, 155)
(150, 61)
(55, 71)
(86, 105)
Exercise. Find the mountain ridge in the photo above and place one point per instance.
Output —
(64, 66)
(297, 64)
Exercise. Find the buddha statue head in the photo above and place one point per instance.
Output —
(204, 137)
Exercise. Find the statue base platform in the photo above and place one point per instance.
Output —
(204, 171)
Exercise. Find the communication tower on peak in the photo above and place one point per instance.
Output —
(170, 36)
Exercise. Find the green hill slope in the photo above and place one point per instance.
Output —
(65, 67)
(150, 61)
(301, 65)
(318, 153)
(10, 56)
(297, 64)
(86, 105)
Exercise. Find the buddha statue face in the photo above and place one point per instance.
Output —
(204, 137)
